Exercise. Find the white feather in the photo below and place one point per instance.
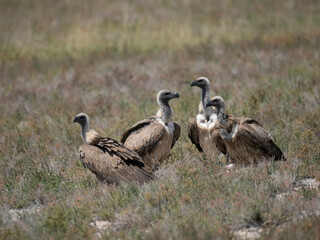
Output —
(169, 128)
(212, 121)
(203, 123)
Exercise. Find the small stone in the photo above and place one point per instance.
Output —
(100, 225)
(309, 182)
(248, 233)
(16, 214)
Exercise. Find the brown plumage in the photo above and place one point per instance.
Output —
(245, 139)
(193, 133)
(154, 137)
(201, 127)
(109, 160)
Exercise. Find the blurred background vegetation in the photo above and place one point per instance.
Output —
(63, 33)
(109, 59)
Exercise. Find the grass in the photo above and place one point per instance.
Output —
(109, 59)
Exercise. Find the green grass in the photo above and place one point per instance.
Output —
(110, 59)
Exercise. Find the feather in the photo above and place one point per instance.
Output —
(193, 133)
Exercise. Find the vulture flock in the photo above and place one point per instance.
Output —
(145, 145)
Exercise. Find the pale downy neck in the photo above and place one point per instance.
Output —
(84, 130)
(165, 112)
(205, 98)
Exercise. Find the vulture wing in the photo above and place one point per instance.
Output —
(176, 133)
(144, 136)
(112, 168)
(253, 135)
(193, 133)
(114, 148)
(136, 127)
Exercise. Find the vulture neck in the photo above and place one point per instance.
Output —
(165, 111)
(205, 98)
(222, 117)
(84, 130)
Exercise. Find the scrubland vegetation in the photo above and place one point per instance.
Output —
(109, 59)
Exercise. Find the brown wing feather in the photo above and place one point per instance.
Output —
(256, 138)
(136, 127)
(193, 133)
(111, 168)
(144, 139)
(113, 147)
(176, 133)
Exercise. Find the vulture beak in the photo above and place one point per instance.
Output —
(194, 83)
(75, 120)
(175, 95)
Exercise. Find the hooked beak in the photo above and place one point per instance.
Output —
(175, 95)
(194, 83)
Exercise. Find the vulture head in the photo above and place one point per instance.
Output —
(217, 102)
(87, 135)
(201, 82)
(164, 96)
(82, 119)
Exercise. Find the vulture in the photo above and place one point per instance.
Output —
(109, 160)
(154, 137)
(201, 127)
(245, 139)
